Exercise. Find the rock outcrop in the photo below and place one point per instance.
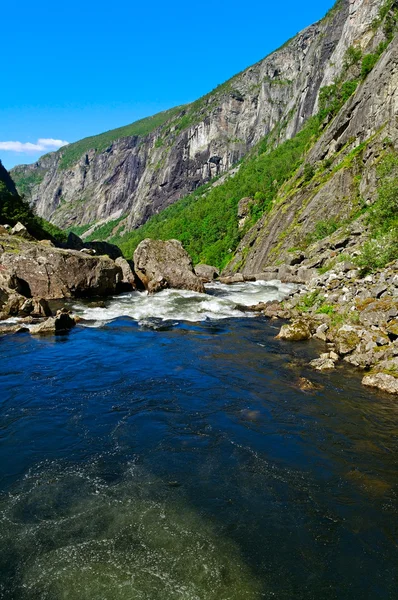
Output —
(161, 265)
(138, 176)
(33, 270)
(382, 381)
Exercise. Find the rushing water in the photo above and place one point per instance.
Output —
(164, 450)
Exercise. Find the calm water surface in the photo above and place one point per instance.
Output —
(168, 459)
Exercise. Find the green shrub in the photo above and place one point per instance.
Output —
(309, 300)
(377, 253)
(323, 229)
(383, 219)
(326, 309)
(333, 97)
(384, 213)
(309, 172)
(368, 63)
(352, 56)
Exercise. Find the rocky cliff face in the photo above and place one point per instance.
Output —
(138, 176)
(344, 161)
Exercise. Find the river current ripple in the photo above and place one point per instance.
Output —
(164, 450)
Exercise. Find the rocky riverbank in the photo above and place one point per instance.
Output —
(355, 315)
(32, 272)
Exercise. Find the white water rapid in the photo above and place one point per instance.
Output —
(220, 302)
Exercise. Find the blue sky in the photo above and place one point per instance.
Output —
(74, 69)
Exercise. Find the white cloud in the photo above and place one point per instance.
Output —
(42, 145)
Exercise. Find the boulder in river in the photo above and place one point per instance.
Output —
(382, 381)
(61, 323)
(161, 265)
(296, 331)
(129, 281)
(207, 273)
(230, 279)
(36, 307)
(324, 363)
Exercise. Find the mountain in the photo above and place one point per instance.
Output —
(257, 205)
(140, 169)
(319, 100)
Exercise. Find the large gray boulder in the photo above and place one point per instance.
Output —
(161, 265)
(35, 270)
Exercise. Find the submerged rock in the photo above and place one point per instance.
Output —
(161, 265)
(306, 385)
(324, 363)
(10, 328)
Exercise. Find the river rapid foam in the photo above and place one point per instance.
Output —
(220, 302)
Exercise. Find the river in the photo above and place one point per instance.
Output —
(165, 450)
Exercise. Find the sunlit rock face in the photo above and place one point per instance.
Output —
(139, 176)
(366, 121)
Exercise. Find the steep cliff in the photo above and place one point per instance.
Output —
(345, 175)
(138, 171)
